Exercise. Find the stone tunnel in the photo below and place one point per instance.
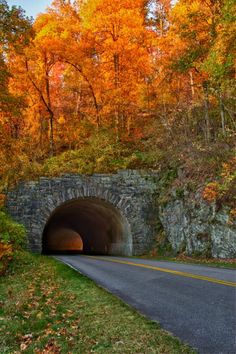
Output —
(87, 225)
(100, 214)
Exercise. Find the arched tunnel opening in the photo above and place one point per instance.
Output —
(89, 226)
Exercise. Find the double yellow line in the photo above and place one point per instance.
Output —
(170, 271)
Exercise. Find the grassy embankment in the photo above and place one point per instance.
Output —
(47, 307)
(211, 262)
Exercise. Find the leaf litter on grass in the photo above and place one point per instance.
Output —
(48, 308)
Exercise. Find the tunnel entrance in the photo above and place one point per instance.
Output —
(89, 226)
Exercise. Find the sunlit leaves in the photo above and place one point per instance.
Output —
(154, 74)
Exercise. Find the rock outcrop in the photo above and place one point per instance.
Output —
(196, 227)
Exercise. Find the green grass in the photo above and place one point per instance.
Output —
(47, 307)
(210, 262)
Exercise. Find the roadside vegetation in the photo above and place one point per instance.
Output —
(12, 239)
(46, 307)
(182, 258)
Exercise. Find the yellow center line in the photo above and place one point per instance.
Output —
(170, 271)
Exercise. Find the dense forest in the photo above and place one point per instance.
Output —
(100, 85)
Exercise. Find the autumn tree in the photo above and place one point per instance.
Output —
(145, 74)
(15, 34)
(15, 31)
(220, 63)
(192, 33)
(121, 56)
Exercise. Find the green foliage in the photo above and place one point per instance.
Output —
(99, 154)
(162, 247)
(11, 232)
(179, 193)
(12, 238)
(218, 70)
(229, 15)
(167, 178)
(188, 60)
(15, 27)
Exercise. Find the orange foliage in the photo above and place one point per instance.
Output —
(233, 213)
(229, 168)
(225, 188)
(211, 191)
(2, 199)
(127, 67)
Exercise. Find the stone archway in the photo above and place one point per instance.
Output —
(125, 202)
(87, 225)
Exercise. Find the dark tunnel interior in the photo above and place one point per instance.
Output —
(89, 226)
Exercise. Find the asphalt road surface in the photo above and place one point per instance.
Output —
(195, 303)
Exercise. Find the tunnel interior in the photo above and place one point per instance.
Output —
(89, 226)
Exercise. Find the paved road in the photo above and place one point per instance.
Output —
(195, 303)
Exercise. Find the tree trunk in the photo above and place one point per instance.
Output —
(46, 101)
(192, 84)
(222, 114)
(79, 69)
(51, 134)
(117, 84)
(51, 117)
(207, 131)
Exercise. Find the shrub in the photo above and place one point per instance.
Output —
(12, 238)
(11, 232)
(223, 191)
(6, 254)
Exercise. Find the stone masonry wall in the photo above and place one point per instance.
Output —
(32, 203)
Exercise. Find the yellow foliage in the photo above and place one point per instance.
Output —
(61, 120)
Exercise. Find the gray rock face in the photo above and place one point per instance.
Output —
(195, 226)
(129, 192)
(191, 225)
